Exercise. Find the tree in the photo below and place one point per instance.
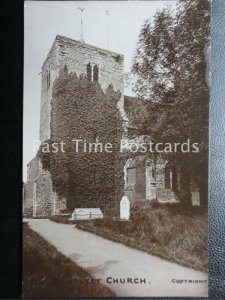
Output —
(170, 69)
(154, 62)
(170, 66)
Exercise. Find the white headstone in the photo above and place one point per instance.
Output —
(125, 208)
(87, 214)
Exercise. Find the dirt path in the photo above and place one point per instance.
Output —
(107, 260)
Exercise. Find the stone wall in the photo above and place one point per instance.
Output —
(28, 199)
(149, 180)
(135, 189)
(49, 73)
(46, 201)
(39, 199)
(33, 169)
(43, 197)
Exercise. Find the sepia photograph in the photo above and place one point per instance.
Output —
(115, 148)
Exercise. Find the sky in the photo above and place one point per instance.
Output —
(45, 19)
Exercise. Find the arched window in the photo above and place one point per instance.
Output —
(154, 169)
(168, 176)
(89, 71)
(131, 176)
(95, 75)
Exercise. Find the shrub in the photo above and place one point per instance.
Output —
(170, 231)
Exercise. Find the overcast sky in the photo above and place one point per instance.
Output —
(45, 19)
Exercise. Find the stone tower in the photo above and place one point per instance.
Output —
(98, 64)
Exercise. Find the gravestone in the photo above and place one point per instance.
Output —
(125, 208)
(87, 214)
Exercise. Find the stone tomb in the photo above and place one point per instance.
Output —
(125, 208)
(87, 214)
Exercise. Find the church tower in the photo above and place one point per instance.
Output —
(97, 66)
(105, 67)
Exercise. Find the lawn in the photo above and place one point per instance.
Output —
(49, 274)
(173, 232)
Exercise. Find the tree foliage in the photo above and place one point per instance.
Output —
(170, 66)
(154, 62)
(170, 71)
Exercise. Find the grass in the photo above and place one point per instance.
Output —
(49, 274)
(62, 219)
(173, 232)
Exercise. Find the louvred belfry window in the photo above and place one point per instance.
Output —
(95, 76)
(89, 71)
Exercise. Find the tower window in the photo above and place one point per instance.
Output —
(95, 75)
(89, 71)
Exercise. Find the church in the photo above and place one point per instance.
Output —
(82, 96)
